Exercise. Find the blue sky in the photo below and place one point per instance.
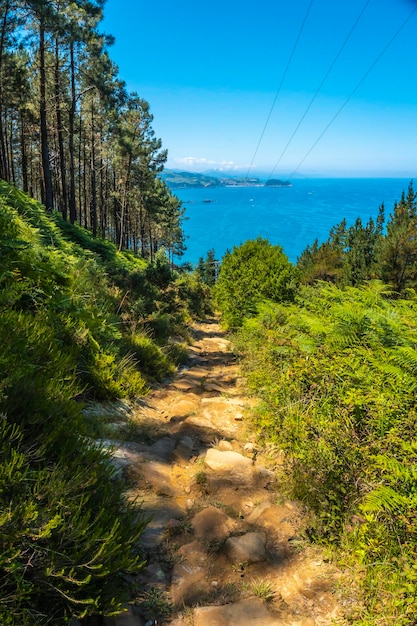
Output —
(212, 71)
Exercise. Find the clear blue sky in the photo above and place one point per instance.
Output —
(212, 70)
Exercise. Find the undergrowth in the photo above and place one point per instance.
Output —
(79, 321)
(336, 374)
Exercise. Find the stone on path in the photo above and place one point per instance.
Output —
(162, 448)
(159, 476)
(189, 576)
(183, 451)
(161, 511)
(230, 466)
(248, 548)
(182, 407)
(246, 613)
(211, 524)
(186, 385)
(275, 518)
(224, 445)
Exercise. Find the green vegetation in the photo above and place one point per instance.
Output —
(377, 250)
(79, 320)
(252, 272)
(193, 180)
(70, 133)
(336, 374)
(335, 368)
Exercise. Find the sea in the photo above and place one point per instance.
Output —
(293, 217)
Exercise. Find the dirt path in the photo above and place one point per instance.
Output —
(223, 547)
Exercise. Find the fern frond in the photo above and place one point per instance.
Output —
(394, 374)
(396, 469)
(406, 357)
(384, 499)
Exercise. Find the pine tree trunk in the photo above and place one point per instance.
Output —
(93, 202)
(48, 198)
(60, 132)
(25, 179)
(71, 128)
(3, 168)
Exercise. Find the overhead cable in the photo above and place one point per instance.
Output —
(280, 86)
(355, 89)
(320, 86)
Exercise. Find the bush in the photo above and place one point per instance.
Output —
(253, 272)
(72, 313)
(336, 371)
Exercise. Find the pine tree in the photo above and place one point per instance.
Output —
(397, 255)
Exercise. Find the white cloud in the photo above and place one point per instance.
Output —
(195, 161)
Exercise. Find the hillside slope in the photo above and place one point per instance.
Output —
(78, 321)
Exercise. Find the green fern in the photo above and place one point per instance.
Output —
(406, 358)
(384, 499)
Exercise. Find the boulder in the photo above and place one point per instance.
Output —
(230, 466)
(183, 451)
(189, 576)
(248, 548)
(212, 524)
(246, 613)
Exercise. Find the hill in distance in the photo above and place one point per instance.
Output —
(185, 180)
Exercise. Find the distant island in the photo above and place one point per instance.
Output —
(276, 182)
(193, 180)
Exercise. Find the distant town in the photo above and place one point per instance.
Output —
(193, 180)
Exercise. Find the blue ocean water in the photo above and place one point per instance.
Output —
(292, 217)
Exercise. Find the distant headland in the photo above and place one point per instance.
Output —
(193, 180)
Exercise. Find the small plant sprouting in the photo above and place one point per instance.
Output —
(155, 604)
(263, 589)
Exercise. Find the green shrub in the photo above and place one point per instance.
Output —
(336, 372)
(64, 538)
(253, 272)
(72, 314)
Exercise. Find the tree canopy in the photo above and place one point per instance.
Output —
(253, 272)
(70, 133)
(376, 250)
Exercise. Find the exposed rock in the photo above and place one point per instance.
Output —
(154, 575)
(186, 385)
(123, 454)
(184, 450)
(189, 576)
(183, 408)
(231, 466)
(202, 423)
(162, 448)
(196, 373)
(277, 518)
(249, 548)
(159, 475)
(224, 445)
(264, 475)
(211, 524)
(246, 613)
(160, 515)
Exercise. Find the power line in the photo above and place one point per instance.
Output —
(280, 86)
(320, 86)
(355, 89)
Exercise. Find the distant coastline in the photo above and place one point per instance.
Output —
(193, 180)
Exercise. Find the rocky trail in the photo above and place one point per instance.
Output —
(222, 547)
